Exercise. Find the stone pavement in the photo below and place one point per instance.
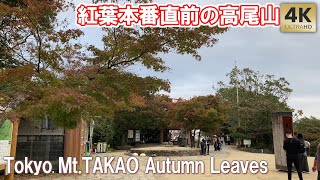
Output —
(229, 153)
(140, 175)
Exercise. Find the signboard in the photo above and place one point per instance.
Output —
(247, 142)
(5, 139)
(130, 133)
(137, 136)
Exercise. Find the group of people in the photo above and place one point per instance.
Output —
(217, 142)
(297, 150)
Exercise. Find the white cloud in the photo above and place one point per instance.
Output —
(294, 56)
(308, 104)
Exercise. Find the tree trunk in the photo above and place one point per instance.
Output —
(191, 139)
(134, 137)
(161, 135)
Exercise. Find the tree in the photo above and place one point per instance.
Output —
(259, 96)
(310, 128)
(5, 20)
(54, 75)
(206, 113)
(126, 46)
(34, 51)
(215, 113)
(103, 130)
(149, 117)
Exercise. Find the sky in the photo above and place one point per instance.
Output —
(294, 56)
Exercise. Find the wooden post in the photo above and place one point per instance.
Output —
(73, 144)
(2, 167)
(13, 149)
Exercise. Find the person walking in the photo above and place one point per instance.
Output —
(218, 143)
(316, 164)
(215, 140)
(208, 142)
(228, 139)
(303, 154)
(221, 141)
(308, 145)
(203, 147)
(292, 146)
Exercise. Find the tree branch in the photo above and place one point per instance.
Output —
(127, 61)
(38, 39)
(113, 49)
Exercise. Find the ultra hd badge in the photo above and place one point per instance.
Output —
(298, 17)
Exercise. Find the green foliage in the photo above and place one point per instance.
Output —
(310, 128)
(127, 46)
(49, 73)
(203, 112)
(32, 60)
(150, 115)
(103, 130)
(45, 72)
(6, 59)
(259, 96)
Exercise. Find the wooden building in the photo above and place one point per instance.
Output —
(45, 142)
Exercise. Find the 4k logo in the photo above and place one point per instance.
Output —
(298, 17)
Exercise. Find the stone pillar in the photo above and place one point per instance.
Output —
(281, 121)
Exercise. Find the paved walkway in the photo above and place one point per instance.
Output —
(228, 153)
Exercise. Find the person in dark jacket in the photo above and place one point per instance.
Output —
(203, 147)
(303, 154)
(292, 147)
(218, 143)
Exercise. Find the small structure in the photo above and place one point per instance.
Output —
(281, 121)
(44, 142)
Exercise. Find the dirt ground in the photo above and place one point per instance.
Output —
(228, 153)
